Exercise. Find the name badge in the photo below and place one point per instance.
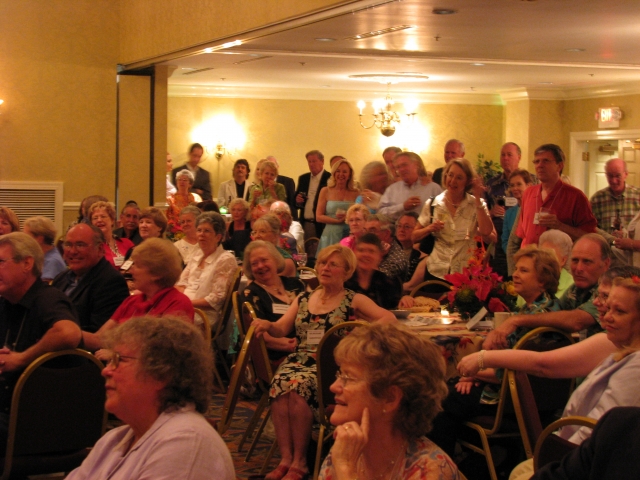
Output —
(118, 261)
(314, 336)
(279, 308)
(510, 201)
(536, 218)
(126, 265)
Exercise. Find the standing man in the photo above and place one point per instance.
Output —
(309, 186)
(500, 200)
(129, 218)
(35, 318)
(238, 186)
(618, 200)
(553, 203)
(289, 187)
(409, 194)
(202, 183)
(452, 149)
(388, 155)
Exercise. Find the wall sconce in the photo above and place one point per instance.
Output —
(220, 150)
(384, 117)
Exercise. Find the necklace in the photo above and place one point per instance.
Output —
(450, 202)
(279, 289)
(389, 472)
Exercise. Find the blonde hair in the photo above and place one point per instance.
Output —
(466, 167)
(10, 216)
(358, 207)
(108, 207)
(546, 265)
(161, 258)
(273, 252)
(332, 181)
(633, 286)
(343, 252)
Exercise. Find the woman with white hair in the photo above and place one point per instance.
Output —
(182, 198)
(561, 244)
(44, 232)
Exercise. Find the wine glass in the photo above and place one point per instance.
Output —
(301, 259)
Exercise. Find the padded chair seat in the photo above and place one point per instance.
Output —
(42, 464)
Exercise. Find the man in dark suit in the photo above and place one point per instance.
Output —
(94, 286)
(289, 187)
(202, 183)
(452, 149)
(129, 218)
(309, 186)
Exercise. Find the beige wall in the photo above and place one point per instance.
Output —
(58, 82)
(150, 28)
(517, 126)
(580, 114)
(288, 129)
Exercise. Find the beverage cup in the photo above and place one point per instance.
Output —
(499, 318)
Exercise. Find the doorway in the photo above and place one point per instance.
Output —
(589, 151)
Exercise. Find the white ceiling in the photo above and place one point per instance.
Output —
(524, 46)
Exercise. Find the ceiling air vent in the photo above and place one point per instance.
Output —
(254, 59)
(191, 72)
(376, 33)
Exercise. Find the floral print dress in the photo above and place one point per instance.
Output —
(297, 373)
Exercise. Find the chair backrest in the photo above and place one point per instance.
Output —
(326, 363)
(237, 378)
(432, 288)
(312, 282)
(258, 350)
(524, 404)
(227, 308)
(238, 315)
(57, 406)
(206, 324)
(551, 448)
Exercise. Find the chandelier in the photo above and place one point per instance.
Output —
(384, 117)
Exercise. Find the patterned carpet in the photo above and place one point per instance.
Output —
(243, 412)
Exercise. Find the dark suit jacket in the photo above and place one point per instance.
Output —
(203, 181)
(290, 188)
(437, 175)
(610, 453)
(303, 187)
(135, 238)
(97, 296)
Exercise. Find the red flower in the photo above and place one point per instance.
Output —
(495, 305)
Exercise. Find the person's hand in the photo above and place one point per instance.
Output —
(497, 338)
(104, 354)
(350, 439)
(549, 220)
(623, 243)
(411, 203)
(478, 187)
(261, 327)
(464, 385)
(341, 216)
(435, 226)
(300, 199)
(618, 233)
(468, 365)
(497, 211)
(292, 344)
(406, 302)
(10, 361)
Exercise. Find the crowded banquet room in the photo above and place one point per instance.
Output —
(320, 239)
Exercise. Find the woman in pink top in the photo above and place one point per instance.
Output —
(356, 217)
(103, 216)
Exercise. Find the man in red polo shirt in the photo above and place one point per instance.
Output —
(553, 203)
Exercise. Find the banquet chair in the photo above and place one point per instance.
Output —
(311, 247)
(237, 314)
(326, 375)
(57, 414)
(551, 448)
(504, 423)
(435, 289)
(206, 324)
(221, 326)
(312, 282)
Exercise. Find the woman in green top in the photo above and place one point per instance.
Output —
(267, 188)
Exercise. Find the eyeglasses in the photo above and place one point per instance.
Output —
(115, 359)
(345, 379)
(77, 245)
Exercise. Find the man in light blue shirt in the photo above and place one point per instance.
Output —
(409, 194)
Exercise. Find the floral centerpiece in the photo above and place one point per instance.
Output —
(479, 286)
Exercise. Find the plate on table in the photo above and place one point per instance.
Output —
(400, 313)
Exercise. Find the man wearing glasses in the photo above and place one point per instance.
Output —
(34, 318)
(617, 203)
(93, 285)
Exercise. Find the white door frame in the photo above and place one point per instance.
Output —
(577, 167)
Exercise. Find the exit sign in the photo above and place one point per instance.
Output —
(609, 117)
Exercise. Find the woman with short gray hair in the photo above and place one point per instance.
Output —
(189, 243)
(179, 200)
(206, 277)
(44, 232)
(561, 244)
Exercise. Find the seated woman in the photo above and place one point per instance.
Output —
(388, 390)
(293, 391)
(207, 276)
(385, 291)
(334, 201)
(239, 229)
(268, 228)
(159, 379)
(454, 218)
(561, 244)
(536, 280)
(267, 188)
(152, 223)
(103, 216)
(268, 293)
(356, 217)
(189, 243)
(8, 221)
(156, 267)
(177, 201)
(289, 242)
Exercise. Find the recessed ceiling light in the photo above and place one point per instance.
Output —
(385, 78)
(375, 33)
(478, 64)
(444, 11)
(545, 83)
(575, 49)
(208, 50)
(325, 39)
(235, 43)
